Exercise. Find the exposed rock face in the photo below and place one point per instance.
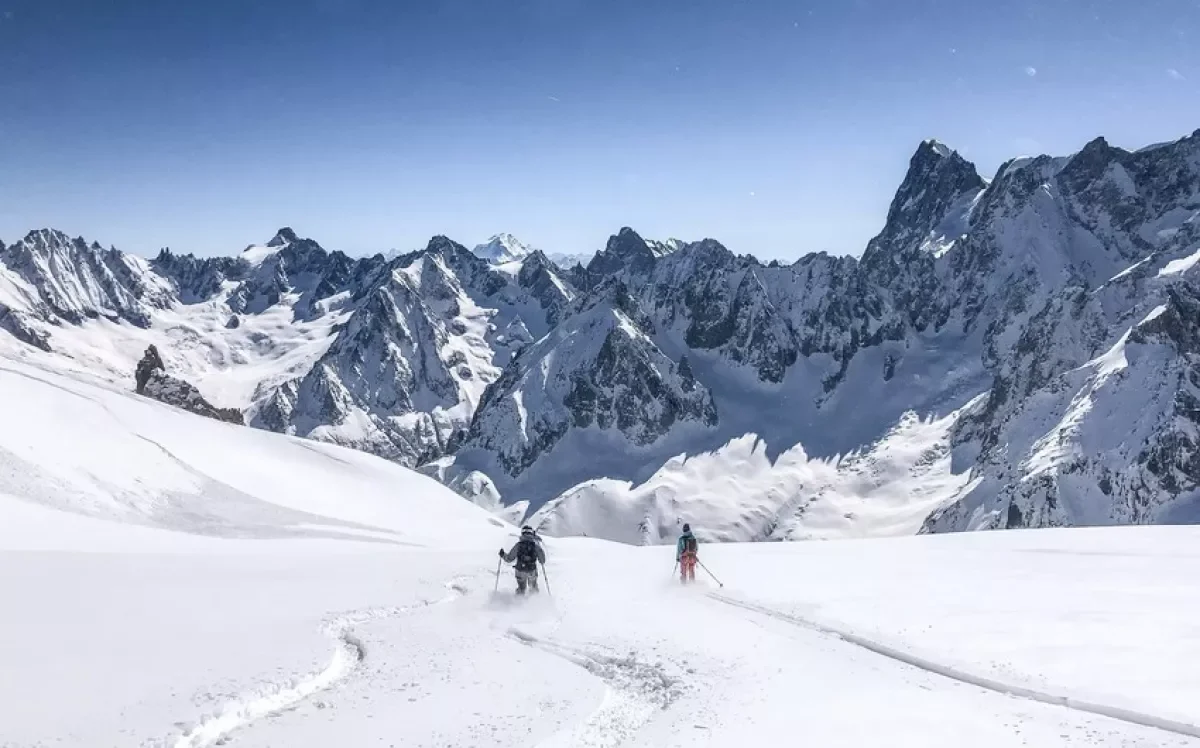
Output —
(150, 363)
(1090, 417)
(625, 252)
(543, 281)
(384, 366)
(298, 267)
(423, 341)
(597, 370)
(153, 381)
(179, 393)
(928, 216)
(64, 279)
(195, 279)
(22, 328)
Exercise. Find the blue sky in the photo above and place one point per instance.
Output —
(776, 127)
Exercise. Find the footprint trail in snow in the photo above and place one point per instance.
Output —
(634, 691)
(349, 652)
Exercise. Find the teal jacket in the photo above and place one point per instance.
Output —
(679, 544)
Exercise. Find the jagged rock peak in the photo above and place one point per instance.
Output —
(627, 243)
(44, 238)
(538, 259)
(938, 178)
(441, 243)
(284, 236)
(710, 249)
(1091, 162)
(625, 251)
(936, 163)
(936, 147)
(150, 363)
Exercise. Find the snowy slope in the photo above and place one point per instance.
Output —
(205, 584)
(97, 452)
(501, 249)
(1055, 458)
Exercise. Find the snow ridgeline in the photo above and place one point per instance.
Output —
(1014, 319)
(103, 454)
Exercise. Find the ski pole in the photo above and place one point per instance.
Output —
(714, 576)
(674, 568)
(497, 587)
(546, 574)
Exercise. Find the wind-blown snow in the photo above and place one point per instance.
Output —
(256, 254)
(737, 493)
(1181, 265)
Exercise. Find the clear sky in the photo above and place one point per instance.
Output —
(777, 127)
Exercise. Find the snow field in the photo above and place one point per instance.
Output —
(175, 582)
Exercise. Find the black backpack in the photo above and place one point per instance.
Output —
(689, 544)
(527, 555)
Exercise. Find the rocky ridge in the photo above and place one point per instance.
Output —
(1037, 306)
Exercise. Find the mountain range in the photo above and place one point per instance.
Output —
(1019, 351)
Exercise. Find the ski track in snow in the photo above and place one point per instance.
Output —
(1069, 702)
(348, 653)
(635, 690)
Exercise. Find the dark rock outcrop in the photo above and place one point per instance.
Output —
(152, 380)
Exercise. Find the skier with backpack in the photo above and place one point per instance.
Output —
(527, 554)
(687, 554)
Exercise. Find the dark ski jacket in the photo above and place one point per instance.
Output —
(528, 553)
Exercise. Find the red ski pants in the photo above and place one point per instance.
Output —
(687, 567)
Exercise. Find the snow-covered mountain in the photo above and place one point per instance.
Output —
(567, 261)
(49, 278)
(502, 249)
(963, 279)
(1007, 352)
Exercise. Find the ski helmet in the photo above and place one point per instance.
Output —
(527, 530)
(687, 527)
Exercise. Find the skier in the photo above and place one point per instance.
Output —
(686, 554)
(528, 553)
